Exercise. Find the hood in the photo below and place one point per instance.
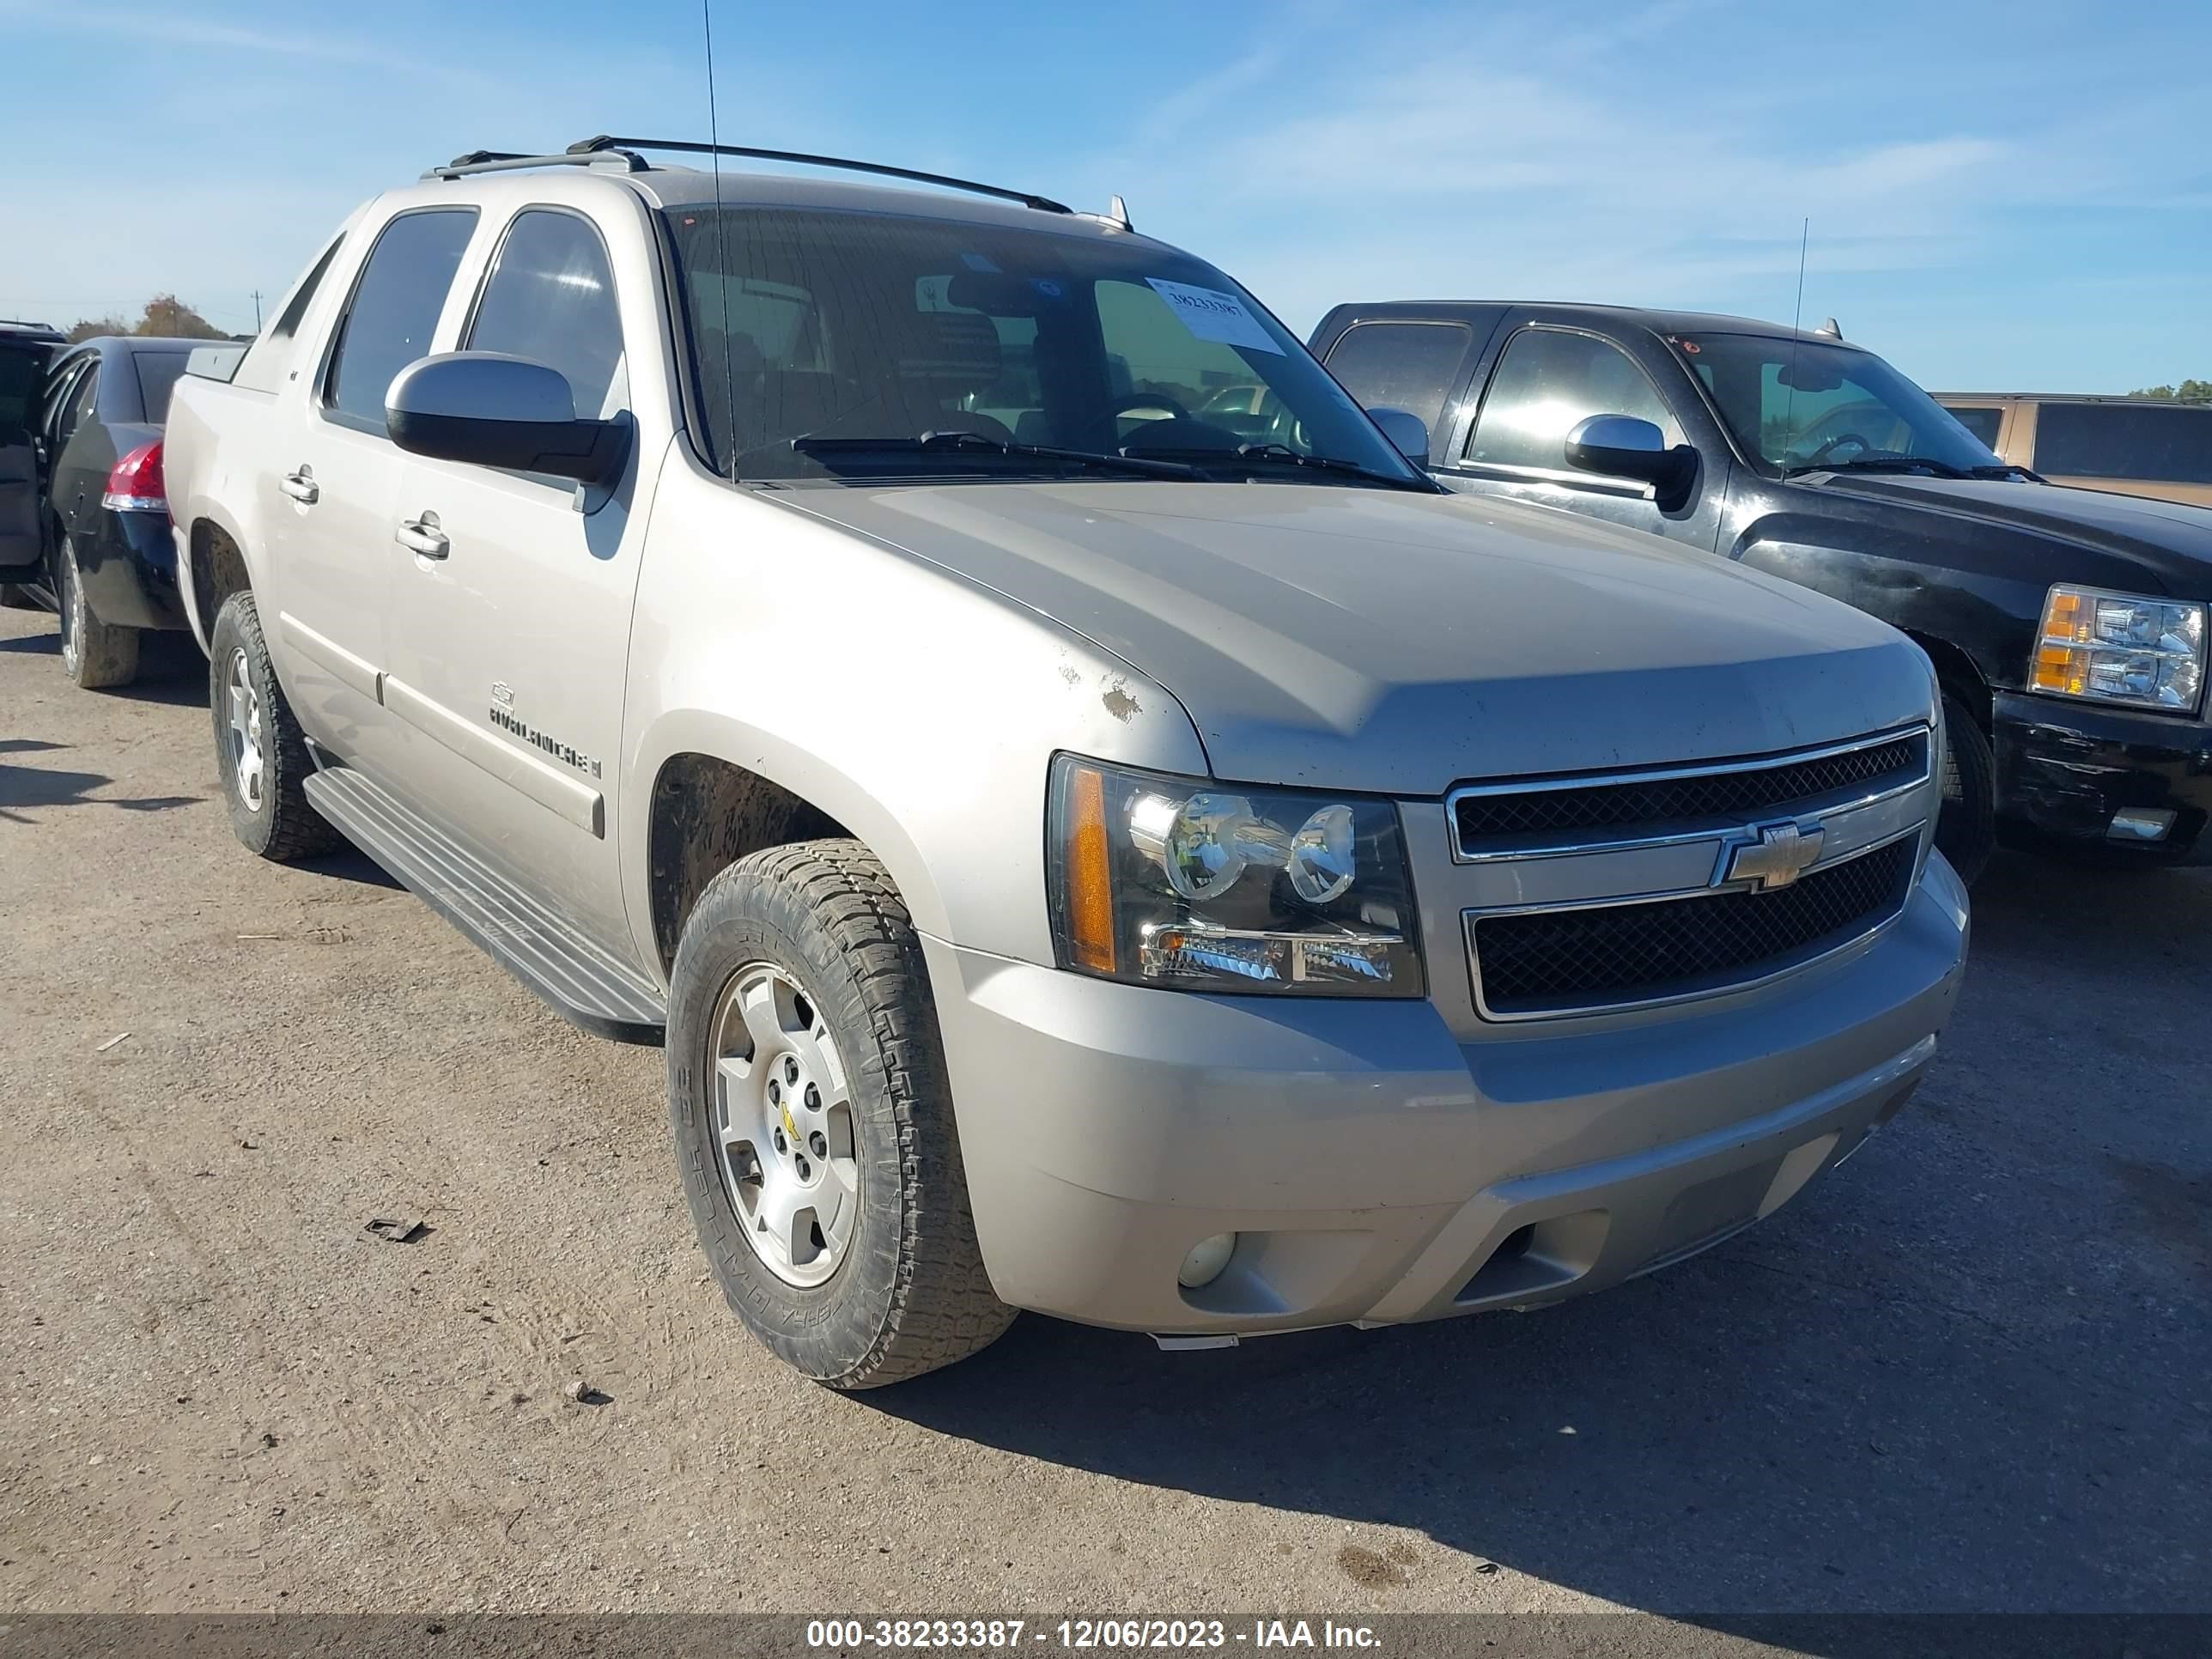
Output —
(1397, 643)
(2169, 541)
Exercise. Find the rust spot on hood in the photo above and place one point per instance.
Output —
(1119, 704)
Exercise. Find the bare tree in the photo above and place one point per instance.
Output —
(165, 315)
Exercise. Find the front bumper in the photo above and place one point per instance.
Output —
(1376, 1167)
(2065, 769)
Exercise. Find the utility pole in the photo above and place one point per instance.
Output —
(257, 311)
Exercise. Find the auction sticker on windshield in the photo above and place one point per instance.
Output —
(1212, 315)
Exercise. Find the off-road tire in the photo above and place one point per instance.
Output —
(1966, 830)
(286, 828)
(95, 655)
(911, 1293)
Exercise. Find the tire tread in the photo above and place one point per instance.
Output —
(941, 1308)
(296, 830)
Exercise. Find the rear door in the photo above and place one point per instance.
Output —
(71, 443)
(332, 485)
(22, 364)
(1543, 380)
(510, 636)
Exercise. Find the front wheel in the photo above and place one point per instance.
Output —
(95, 654)
(813, 1121)
(1966, 830)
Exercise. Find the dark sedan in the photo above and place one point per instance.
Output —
(109, 568)
(2066, 626)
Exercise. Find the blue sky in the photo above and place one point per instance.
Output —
(2002, 196)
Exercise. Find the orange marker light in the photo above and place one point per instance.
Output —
(1090, 875)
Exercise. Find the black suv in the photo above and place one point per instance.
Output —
(102, 558)
(24, 348)
(2068, 626)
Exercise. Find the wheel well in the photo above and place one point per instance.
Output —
(1959, 676)
(218, 570)
(707, 814)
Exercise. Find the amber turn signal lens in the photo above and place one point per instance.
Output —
(2057, 668)
(1090, 875)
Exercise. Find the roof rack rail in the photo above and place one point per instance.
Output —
(501, 160)
(603, 144)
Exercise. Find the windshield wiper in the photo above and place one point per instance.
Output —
(1284, 455)
(977, 443)
(1883, 464)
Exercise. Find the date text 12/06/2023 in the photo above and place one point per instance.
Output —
(1083, 1635)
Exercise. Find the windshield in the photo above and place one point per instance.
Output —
(828, 344)
(1803, 404)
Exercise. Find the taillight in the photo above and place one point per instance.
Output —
(134, 484)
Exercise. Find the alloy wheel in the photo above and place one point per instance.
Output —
(248, 764)
(69, 611)
(783, 1117)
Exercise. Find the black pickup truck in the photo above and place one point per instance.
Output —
(2068, 626)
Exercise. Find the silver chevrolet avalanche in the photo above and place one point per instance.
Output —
(1096, 830)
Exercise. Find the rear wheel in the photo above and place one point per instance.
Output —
(95, 654)
(259, 748)
(1965, 831)
(813, 1121)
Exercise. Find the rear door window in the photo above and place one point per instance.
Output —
(71, 414)
(1409, 366)
(394, 309)
(1548, 382)
(2167, 443)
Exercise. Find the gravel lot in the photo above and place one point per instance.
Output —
(1967, 1372)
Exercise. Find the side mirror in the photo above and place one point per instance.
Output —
(491, 409)
(1623, 446)
(1407, 433)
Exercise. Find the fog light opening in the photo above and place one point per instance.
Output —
(2141, 823)
(1206, 1260)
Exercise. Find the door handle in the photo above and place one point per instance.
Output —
(422, 537)
(300, 486)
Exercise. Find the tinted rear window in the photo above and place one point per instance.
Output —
(2163, 442)
(1409, 366)
(158, 372)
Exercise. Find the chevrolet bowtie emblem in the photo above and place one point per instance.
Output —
(1781, 852)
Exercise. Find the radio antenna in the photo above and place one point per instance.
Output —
(1796, 317)
(721, 246)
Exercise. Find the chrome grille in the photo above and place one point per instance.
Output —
(1561, 961)
(1513, 818)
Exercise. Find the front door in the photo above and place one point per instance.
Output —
(511, 599)
(1543, 383)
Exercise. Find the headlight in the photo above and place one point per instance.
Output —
(2119, 648)
(1179, 881)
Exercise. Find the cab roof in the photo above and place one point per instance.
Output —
(663, 186)
(1659, 321)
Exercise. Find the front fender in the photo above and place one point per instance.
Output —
(916, 708)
